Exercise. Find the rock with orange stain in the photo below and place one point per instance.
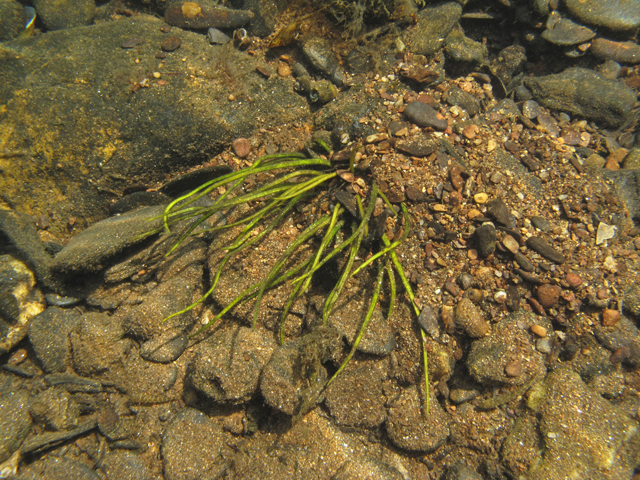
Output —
(203, 15)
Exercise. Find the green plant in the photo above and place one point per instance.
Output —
(343, 232)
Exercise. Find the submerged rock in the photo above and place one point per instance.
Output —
(583, 92)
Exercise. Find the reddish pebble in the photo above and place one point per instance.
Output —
(601, 294)
(610, 317)
(548, 295)
(241, 147)
(574, 280)
(620, 355)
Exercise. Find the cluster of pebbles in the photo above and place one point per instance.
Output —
(521, 183)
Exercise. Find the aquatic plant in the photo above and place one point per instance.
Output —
(354, 14)
(346, 234)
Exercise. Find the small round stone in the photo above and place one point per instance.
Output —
(481, 198)
(513, 369)
(241, 147)
(548, 295)
(538, 330)
(510, 244)
(574, 280)
(170, 43)
(284, 70)
(610, 317)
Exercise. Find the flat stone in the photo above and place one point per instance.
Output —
(433, 25)
(620, 15)
(584, 93)
(188, 435)
(565, 33)
(410, 429)
(49, 337)
(91, 249)
(621, 52)
(424, 116)
(541, 246)
(227, 365)
(15, 422)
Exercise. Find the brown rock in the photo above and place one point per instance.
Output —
(539, 330)
(170, 43)
(241, 147)
(574, 280)
(513, 369)
(510, 244)
(548, 295)
(610, 317)
(471, 319)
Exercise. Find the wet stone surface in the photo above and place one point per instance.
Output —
(513, 150)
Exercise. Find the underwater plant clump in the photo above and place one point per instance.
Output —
(350, 234)
(354, 14)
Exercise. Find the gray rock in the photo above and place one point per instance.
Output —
(227, 365)
(191, 443)
(457, 96)
(485, 239)
(179, 284)
(293, 380)
(149, 382)
(12, 19)
(627, 185)
(499, 210)
(347, 317)
(410, 428)
(509, 63)
(509, 344)
(98, 346)
(573, 418)
(90, 250)
(58, 15)
(217, 37)
(49, 337)
(356, 398)
(520, 450)
(584, 93)
(613, 14)
(55, 409)
(165, 347)
(463, 50)
(621, 52)
(318, 52)
(433, 25)
(541, 246)
(15, 422)
(624, 335)
(124, 465)
(631, 301)
(565, 32)
(462, 472)
(424, 116)
(541, 223)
